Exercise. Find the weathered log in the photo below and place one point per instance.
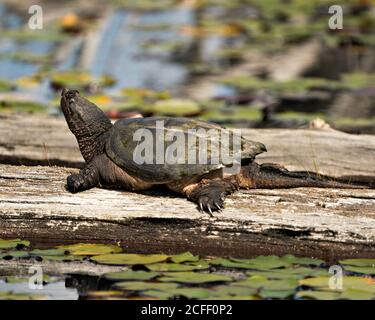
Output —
(326, 223)
(46, 140)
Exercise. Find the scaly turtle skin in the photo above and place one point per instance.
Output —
(109, 149)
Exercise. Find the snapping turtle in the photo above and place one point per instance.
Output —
(112, 161)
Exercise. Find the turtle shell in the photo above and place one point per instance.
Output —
(161, 150)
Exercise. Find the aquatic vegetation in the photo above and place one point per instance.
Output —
(79, 79)
(176, 107)
(160, 276)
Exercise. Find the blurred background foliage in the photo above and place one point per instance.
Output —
(244, 63)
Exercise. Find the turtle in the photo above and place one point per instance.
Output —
(109, 148)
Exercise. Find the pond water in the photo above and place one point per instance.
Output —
(103, 271)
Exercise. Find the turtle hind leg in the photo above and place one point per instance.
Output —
(87, 178)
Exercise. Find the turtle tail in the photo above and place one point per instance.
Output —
(272, 176)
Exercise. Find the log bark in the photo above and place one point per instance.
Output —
(46, 140)
(326, 223)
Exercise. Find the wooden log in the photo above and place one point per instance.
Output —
(46, 140)
(326, 223)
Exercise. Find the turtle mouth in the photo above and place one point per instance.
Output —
(68, 100)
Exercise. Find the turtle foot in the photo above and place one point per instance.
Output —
(209, 195)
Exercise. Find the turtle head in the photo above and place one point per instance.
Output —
(86, 121)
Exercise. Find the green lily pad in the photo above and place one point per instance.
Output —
(13, 243)
(302, 261)
(356, 294)
(318, 295)
(176, 107)
(142, 286)
(193, 277)
(259, 263)
(231, 264)
(78, 79)
(129, 258)
(364, 270)
(90, 249)
(276, 294)
(288, 273)
(131, 275)
(190, 293)
(15, 254)
(5, 85)
(264, 283)
(349, 282)
(184, 257)
(358, 262)
(166, 267)
(230, 290)
(48, 252)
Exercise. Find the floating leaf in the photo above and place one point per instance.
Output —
(131, 275)
(191, 277)
(90, 249)
(141, 286)
(129, 258)
(302, 261)
(176, 107)
(364, 270)
(165, 267)
(356, 294)
(259, 263)
(352, 282)
(318, 295)
(190, 293)
(230, 290)
(276, 294)
(14, 254)
(184, 257)
(48, 252)
(13, 243)
(264, 283)
(359, 262)
(287, 273)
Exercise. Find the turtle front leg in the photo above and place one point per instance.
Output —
(210, 194)
(87, 178)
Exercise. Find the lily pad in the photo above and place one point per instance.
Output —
(349, 282)
(230, 290)
(288, 273)
(90, 249)
(13, 243)
(131, 275)
(276, 294)
(190, 293)
(15, 254)
(176, 107)
(193, 277)
(142, 286)
(358, 262)
(318, 295)
(356, 294)
(64, 258)
(184, 257)
(302, 261)
(48, 252)
(129, 258)
(364, 270)
(259, 263)
(264, 283)
(165, 267)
